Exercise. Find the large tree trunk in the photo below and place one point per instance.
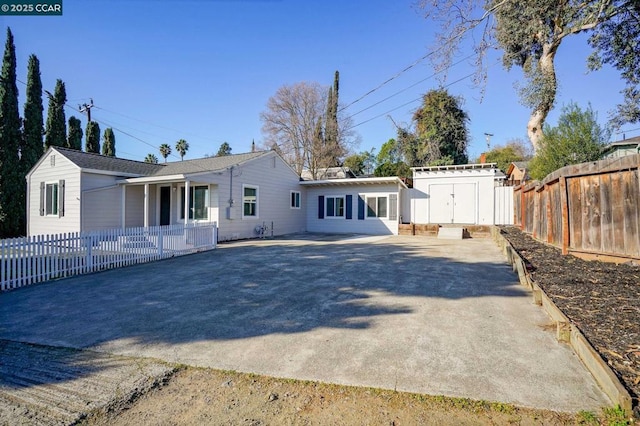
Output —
(546, 68)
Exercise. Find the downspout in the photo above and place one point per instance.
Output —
(231, 186)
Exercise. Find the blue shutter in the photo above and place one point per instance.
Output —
(349, 201)
(360, 208)
(321, 207)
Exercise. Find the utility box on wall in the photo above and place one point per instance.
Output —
(458, 194)
(232, 213)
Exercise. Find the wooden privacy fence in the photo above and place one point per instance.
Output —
(30, 260)
(590, 209)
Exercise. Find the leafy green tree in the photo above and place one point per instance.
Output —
(11, 182)
(225, 149)
(390, 152)
(503, 156)
(92, 138)
(182, 147)
(74, 138)
(441, 130)
(616, 42)
(109, 143)
(150, 158)
(165, 151)
(355, 163)
(56, 130)
(578, 138)
(530, 33)
(400, 169)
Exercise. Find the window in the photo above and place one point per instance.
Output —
(335, 207)
(377, 207)
(249, 201)
(51, 199)
(295, 199)
(198, 202)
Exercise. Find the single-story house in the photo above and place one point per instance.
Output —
(517, 173)
(621, 148)
(365, 205)
(74, 191)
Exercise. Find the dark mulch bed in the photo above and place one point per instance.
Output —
(601, 299)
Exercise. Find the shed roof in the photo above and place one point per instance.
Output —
(456, 167)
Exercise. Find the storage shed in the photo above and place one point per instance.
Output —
(459, 194)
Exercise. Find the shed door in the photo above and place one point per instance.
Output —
(452, 203)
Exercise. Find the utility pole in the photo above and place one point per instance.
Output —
(488, 138)
(86, 108)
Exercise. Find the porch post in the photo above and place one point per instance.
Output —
(146, 205)
(186, 201)
(124, 206)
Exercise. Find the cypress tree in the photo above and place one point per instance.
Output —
(92, 138)
(109, 143)
(56, 132)
(33, 126)
(11, 184)
(74, 138)
(332, 144)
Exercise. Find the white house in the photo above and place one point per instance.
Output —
(364, 206)
(73, 191)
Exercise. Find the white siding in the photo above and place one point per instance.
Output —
(504, 205)
(134, 204)
(374, 226)
(101, 202)
(480, 204)
(52, 171)
(275, 180)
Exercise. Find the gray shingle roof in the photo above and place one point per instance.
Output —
(86, 160)
(206, 164)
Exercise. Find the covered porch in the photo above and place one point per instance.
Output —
(170, 200)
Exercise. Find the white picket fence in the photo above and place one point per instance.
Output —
(35, 259)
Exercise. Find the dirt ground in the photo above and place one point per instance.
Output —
(196, 396)
(601, 299)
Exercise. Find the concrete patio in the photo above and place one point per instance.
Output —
(409, 313)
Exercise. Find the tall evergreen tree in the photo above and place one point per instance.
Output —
(331, 137)
(56, 131)
(74, 138)
(109, 143)
(92, 138)
(33, 126)
(11, 183)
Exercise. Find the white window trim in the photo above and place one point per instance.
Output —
(326, 206)
(57, 201)
(180, 202)
(366, 207)
(299, 200)
(257, 188)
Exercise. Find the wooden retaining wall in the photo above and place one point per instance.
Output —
(591, 210)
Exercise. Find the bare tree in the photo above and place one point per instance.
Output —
(529, 34)
(293, 122)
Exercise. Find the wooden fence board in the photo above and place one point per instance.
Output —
(631, 234)
(593, 221)
(606, 215)
(575, 212)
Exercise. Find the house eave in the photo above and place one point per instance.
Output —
(355, 181)
(152, 179)
(456, 167)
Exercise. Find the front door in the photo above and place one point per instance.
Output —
(165, 205)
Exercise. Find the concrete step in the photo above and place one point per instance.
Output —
(451, 233)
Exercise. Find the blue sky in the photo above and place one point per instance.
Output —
(203, 70)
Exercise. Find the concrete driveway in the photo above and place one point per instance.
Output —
(407, 313)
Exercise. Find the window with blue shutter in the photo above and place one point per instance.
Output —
(360, 208)
(349, 206)
(321, 207)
